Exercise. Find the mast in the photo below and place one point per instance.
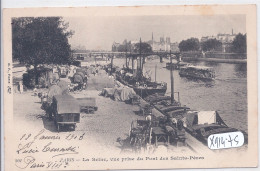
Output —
(126, 57)
(155, 72)
(172, 81)
(141, 68)
(112, 64)
(132, 59)
(140, 55)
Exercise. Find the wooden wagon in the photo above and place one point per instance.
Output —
(66, 111)
(87, 104)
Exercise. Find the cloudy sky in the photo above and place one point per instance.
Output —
(98, 33)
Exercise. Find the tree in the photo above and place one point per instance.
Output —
(145, 48)
(124, 47)
(191, 44)
(239, 44)
(211, 45)
(41, 40)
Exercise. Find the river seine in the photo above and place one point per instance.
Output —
(227, 94)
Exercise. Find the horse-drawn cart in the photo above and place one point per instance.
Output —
(66, 111)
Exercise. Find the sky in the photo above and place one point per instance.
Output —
(99, 33)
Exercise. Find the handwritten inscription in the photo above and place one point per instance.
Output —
(27, 144)
(31, 145)
(225, 140)
(30, 162)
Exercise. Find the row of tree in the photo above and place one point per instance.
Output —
(238, 45)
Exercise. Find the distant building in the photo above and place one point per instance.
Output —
(163, 45)
(225, 39)
(204, 39)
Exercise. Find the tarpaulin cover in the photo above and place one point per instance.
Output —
(200, 117)
(66, 104)
(208, 117)
(87, 102)
(117, 94)
(79, 70)
(54, 76)
(53, 90)
(81, 74)
(127, 93)
(123, 94)
(91, 69)
(129, 74)
(77, 78)
(108, 91)
(72, 71)
(64, 86)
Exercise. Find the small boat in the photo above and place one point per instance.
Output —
(175, 65)
(202, 124)
(163, 104)
(197, 72)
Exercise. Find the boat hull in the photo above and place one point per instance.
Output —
(196, 77)
(144, 92)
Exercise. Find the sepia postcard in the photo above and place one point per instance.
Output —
(141, 87)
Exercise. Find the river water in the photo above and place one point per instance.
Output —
(227, 94)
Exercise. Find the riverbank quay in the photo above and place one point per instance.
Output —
(218, 60)
(107, 129)
(198, 108)
(133, 113)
